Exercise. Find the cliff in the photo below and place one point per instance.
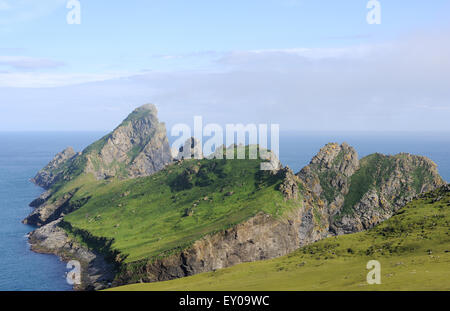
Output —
(358, 194)
(137, 147)
(96, 271)
(413, 247)
(199, 215)
(54, 171)
(320, 194)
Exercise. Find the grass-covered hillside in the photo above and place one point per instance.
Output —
(157, 215)
(413, 248)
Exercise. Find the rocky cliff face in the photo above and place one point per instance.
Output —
(328, 175)
(337, 193)
(381, 187)
(49, 211)
(137, 147)
(53, 172)
(192, 149)
(96, 272)
(322, 192)
(359, 194)
(261, 237)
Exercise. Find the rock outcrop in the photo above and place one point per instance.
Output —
(137, 147)
(358, 194)
(96, 272)
(289, 187)
(337, 193)
(49, 211)
(192, 149)
(261, 237)
(54, 171)
(319, 191)
(381, 187)
(328, 174)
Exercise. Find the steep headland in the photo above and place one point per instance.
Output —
(142, 217)
(137, 147)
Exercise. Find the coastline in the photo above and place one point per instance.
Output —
(96, 272)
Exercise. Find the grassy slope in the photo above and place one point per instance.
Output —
(412, 247)
(153, 216)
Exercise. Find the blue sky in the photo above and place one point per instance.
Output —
(231, 61)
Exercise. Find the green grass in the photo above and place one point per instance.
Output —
(373, 172)
(168, 211)
(413, 249)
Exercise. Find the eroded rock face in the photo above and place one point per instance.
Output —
(335, 194)
(289, 187)
(261, 237)
(320, 191)
(396, 180)
(358, 194)
(96, 272)
(41, 199)
(192, 149)
(49, 211)
(328, 174)
(51, 173)
(137, 147)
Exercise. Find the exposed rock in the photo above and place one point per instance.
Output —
(41, 199)
(359, 194)
(326, 183)
(49, 211)
(96, 272)
(328, 174)
(289, 187)
(261, 237)
(137, 147)
(335, 194)
(192, 149)
(53, 171)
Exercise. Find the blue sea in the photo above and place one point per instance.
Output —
(23, 154)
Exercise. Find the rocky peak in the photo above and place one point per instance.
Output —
(53, 170)
(328, 173)
(191, 149)
(358, 194)
(137, 147)
(341, 158)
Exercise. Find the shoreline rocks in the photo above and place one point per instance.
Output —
(96, 272)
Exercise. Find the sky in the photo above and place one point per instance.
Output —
(307, 65)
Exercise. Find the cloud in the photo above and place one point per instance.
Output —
(399, 85)
(55, 80)
(29, 63)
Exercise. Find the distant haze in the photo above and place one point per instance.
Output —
(304, 66)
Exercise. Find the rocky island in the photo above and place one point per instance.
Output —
(131, 213)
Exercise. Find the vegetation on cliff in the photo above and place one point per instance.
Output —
(126, 199)
(156, 215)
(413, 248)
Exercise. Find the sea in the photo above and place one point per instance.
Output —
(22, 154)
